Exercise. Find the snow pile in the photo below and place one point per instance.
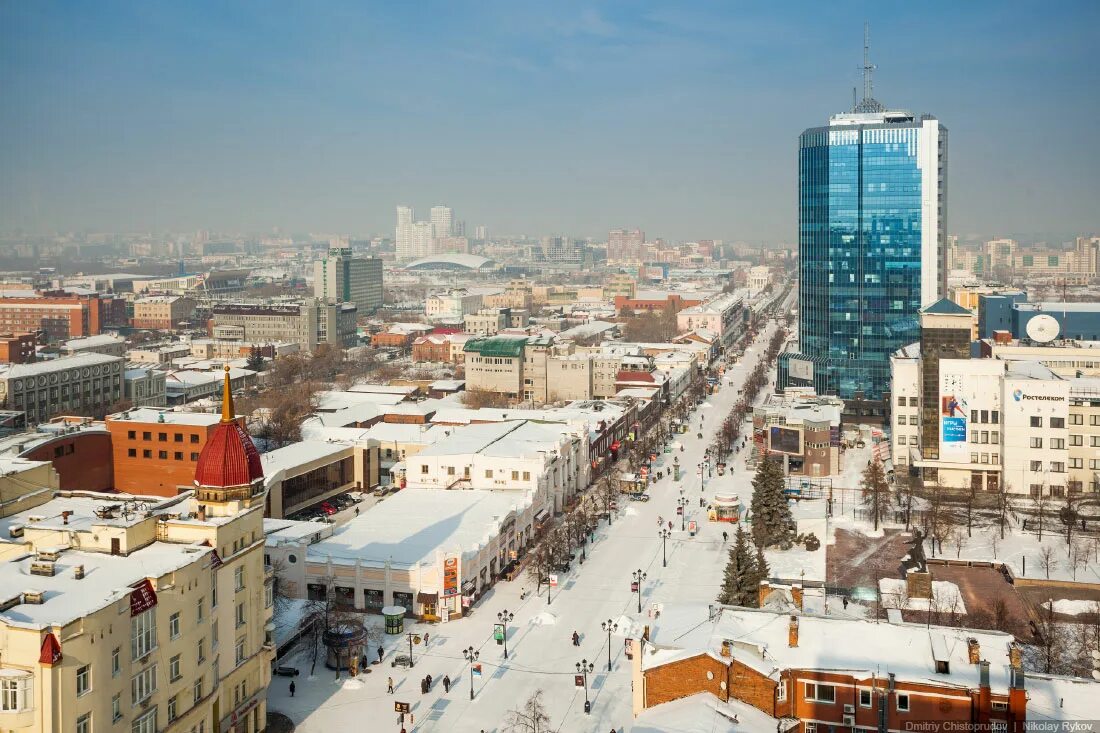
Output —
(350, 684)
(1074, 607)
(945, 597)
(544, 619)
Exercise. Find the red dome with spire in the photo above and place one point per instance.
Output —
(229, 457)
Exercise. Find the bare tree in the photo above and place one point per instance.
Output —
(971, 498)
(1078, 558)
(478, 398)
(907, 487)
(1047, 559)
(533, 717)
(1002, 503)
(958, 538)
(1040, 501)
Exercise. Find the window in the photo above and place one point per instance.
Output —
(994, 416)
(526, 475)
(985, 436)
(1036, 442)
(1094, 419)
(901, 402)
(985, 458)
(818, 692)
(162, 437)
(914, 420)
(199, 608)
(131, 452)
(162, 455)
(1076, 439)
(240, 651)
(515, 475)
(1076, 463)
(177, 456)
(1058, 443)
(143, 684)
(1077, 419)
(147, 453)
(489, 473)
(240, 615)
(196, 690)
(424, 468)
(1036, 421)
(116, 662)
(238, 578)
(116, 707)
(172, 708)
(84, 723)
(174, 625)
(1057, 466)
(143, 633)
(178, 437)
(1094, 441)
(973, 457)
(1057, 422)
(194, 456)
(810, 727)
(213, 637)
(83, 680)
(974, 416)
(146, 436)
(903, 702)
(15, 693)
(865, 698)
(147, 723)
(131, 434)
(1036, 466)
(973, 436)
(202, 650)
(194, 438)
(174, 668)
(912, 401)
(995, 437)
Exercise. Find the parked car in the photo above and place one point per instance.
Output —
(328, 508)
(284, 671)
(380, 491)
(402, 660)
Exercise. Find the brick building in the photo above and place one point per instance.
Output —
(831, 673)
(78, 448)
(155, 451)
(162, 312)
(17, 348)
(60, 314)
(674, 302)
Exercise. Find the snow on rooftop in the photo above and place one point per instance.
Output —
(282, 461)
(75, 361)
(413, 524)
(167, 417)
(107, 579)
(703, 713)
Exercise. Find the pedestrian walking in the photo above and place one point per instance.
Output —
(844, 600)
(576, 639)
(725, 536)
(429, 680)
(292, 688)
(670, 525)
(380, 652)
(423, 685)
(425, 638)
(412, 719)
(446, 683)
(389, 685)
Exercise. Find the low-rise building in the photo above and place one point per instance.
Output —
(802, 430)
(145, 387)
(308, 322)
(722, 315)
(84, 384)
(104, 343)
(431, 551)
(78, 448)
(451, 305)
(188, 385)
(18, 348)
(308, 472)
(491, 321)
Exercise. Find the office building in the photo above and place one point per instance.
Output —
(403, 234)
(625, 245)
(18, 348)
(341, 278)
(308, 322)
(59, 314)
(162, 312)
(86, 384)
(872, 245)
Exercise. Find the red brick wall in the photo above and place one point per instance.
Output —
(82, 460)
(684, 678)
(155, 475)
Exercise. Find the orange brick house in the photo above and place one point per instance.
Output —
(820, 673)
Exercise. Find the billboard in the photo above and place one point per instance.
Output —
(450, 577)
(800, 369)
(785, 440)
(954, 409)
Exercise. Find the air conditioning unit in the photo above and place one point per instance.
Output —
(849, 709)
(849, 721)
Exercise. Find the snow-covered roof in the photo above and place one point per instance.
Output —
(760, 639)
(283, 461)
(33, 369)
(166, 417)
(413, 524)
(87, 342)
(703, 713)
(513, 438)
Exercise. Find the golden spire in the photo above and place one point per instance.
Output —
(228, 414)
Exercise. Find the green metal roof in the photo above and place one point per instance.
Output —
(509, 346)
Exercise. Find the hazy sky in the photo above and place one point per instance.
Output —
(679, 118)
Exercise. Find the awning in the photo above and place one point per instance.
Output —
(427, 598)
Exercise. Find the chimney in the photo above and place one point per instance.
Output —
(1017, 696)
(973, 650)
(65, 516)
(1015, 656)
(725, 652)
(985, 703)
(763, 592)
(792, 632)
(202, 512)
(796, 594)
(78, 572)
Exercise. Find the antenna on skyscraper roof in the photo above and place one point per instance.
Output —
(868, 103)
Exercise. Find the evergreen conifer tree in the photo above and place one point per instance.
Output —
(739, 584)
(771, 516)
(255, 359)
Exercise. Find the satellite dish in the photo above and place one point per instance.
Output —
(1042, 328)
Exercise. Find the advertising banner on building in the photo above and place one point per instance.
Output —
(450, 577)
(801, 369)
(953, 415)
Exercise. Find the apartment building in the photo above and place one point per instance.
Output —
(59, 314)
(308, 322)
(802, 430)
(162, 312)
(158, 622)
(145, 387)
(723, 315)
(83, 384)
(342, 278)
(104, 343)
(490, 321)
(452, 305)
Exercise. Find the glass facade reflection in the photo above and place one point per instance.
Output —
(871, 211)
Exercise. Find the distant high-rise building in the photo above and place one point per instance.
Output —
(625, 245)
(403, 238)
(421, 242)
(341, 278)
(872, 244)
(481, 232)
(442, 221)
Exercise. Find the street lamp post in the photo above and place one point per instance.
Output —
(664, 535)
(410, 636)
(471, 656)
(682, 503)
(584, 667)
(505, 617)
(609, 626)
(639, 575)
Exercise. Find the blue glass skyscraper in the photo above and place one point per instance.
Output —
(871, 242)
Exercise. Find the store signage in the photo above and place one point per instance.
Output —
(553, 581)
(401, 707)
(450, 577)
(142, 598)
(1019, 395)
(578, 680)
(498, 632)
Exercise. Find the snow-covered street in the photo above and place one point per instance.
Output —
(541, 654)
